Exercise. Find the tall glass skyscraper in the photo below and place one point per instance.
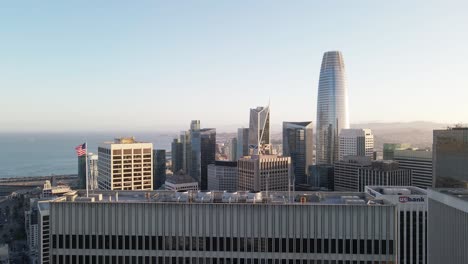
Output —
(298, 144)
(259, 129)
(332, 107)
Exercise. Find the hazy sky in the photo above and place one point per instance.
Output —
(155, 65)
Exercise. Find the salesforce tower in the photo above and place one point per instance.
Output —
(332, 107)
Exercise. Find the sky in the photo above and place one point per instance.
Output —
(156, 65)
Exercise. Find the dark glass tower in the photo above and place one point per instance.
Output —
(203, 146)
(332, 107)
(159, 168)
(298, 144)
(177, 154)
(450, 158)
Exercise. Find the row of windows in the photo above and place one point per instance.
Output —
(78, 259)
(284, 245)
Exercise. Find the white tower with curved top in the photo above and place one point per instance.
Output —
(332, 107)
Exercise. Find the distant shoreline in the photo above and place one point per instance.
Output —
(36, 178)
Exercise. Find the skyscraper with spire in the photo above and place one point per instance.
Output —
(332, 107)
(259, 130)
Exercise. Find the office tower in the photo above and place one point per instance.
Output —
(177, 155)
(448, 226)
(419, 161)
(322, 176)
(356, 142)
(181, 182)
(125, 164)
(159, 168)
(450, 156)
(222, 176)
(82, 172)
(186, 150)
(298, 144)
(385, 173)
(44, 225)
(93, 171)
(264, 172)
(259, 130)
(203, 144)
(346, 172)
(32, 230)
(332, 107)
(411, 207)
(195, 125)
(233, 149)
(390, 148)
(242, 142)
(215, 227)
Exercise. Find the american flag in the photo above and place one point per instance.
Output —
(81, 149)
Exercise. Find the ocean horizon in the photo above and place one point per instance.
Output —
(45, 154)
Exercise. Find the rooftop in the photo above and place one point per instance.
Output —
(397, 190)
(180, 178)
(461, 194)
(311, 198)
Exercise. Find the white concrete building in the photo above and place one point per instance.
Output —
(219, 227)
(412, 218)
(356, 142)
(125, 164)
(264, 172)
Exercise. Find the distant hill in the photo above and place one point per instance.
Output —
(418, 133)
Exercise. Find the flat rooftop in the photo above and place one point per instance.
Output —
(458, 193)
(397, 190)
(452, 197)
(328, 198)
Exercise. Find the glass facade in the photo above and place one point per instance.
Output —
(332, 107)
(298, 144)
(450, 158)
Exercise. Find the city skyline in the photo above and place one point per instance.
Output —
(65, 57)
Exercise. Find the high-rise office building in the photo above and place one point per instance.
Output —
(203, 145)
(411, 218)
(353, 173)
(390, 148)
(450, 156)
(159, 168)
(233, 149)
(346, 172)
(215, 227)
(321, 176)
(419, 161)
(242, 142)
(177, 155)
(222, 176)
(332, 107)
(264, 172)
(298, 144)
(186, 150)
(82, 172)
(92, 171)
(447, 226)
(384, 173)
(259, 130)
(356, 142)
(125, 164)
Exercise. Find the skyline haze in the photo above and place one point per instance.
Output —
(156, 66)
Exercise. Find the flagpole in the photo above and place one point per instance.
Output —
(86, 162)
